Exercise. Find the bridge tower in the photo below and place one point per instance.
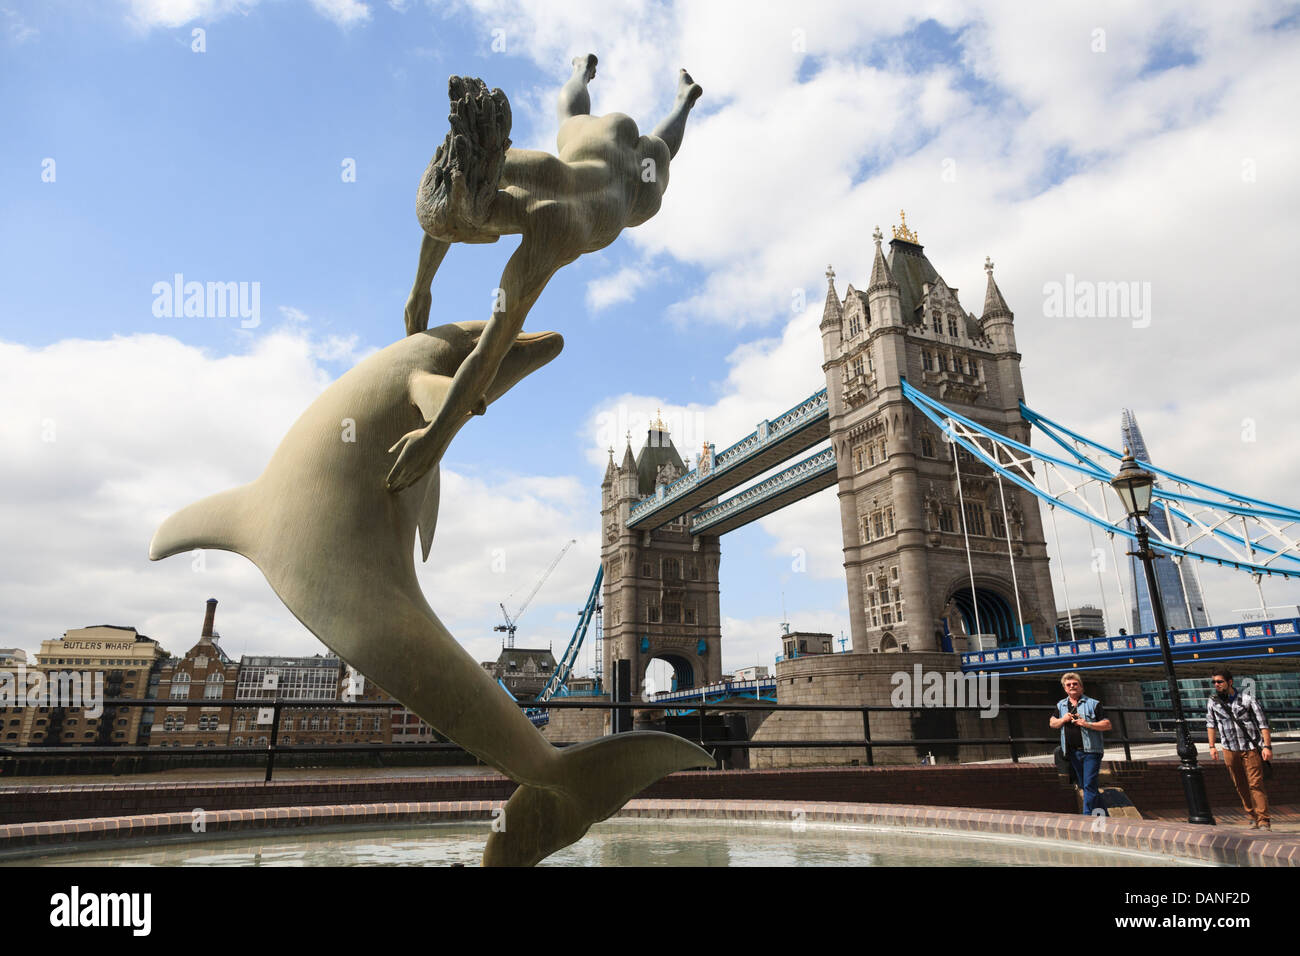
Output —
(905, 554)
(660, 586)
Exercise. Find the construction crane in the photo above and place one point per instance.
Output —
(509, 625)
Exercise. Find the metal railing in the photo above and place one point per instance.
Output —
(1018, 744)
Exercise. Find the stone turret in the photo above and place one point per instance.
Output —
(997, 320)
(882, 291)
(627, 473)
(832, 318)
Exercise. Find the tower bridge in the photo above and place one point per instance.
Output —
(913, 583)
(924, 431)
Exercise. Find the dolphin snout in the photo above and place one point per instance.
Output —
(530, 352)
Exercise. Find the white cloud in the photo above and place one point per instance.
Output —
(621, 286)
(147, 14)
(173, 13)
(16, 28)
(343, 12)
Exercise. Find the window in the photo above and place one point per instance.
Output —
(878, 524)
(975, 518)
(859, 458)
(999, 529)
(927, 447)
(952, 326)
(672, 613)
(970, 366)
(690, 615)
(889, 522)
(884, 456)
(936, 323)
(645, 569)
(855, 325)
(927, 361)
(695, 572)
(857, 366)
(946, 519)
(652, 614)
(672, 570)
(212, 691)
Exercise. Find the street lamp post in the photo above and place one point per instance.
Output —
(1133, 484)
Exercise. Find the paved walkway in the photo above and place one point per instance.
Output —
(1285, 818)
(1286, 750)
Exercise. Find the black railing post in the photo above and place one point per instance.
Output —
(1011, 736)
(1123, 729)
(275, 734)
(866, 735)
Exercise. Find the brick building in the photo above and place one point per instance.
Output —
(204, 674)
(117, 662)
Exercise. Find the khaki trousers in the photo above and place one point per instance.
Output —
(1246, 767)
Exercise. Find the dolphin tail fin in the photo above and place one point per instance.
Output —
(593, 782)
(213, 522)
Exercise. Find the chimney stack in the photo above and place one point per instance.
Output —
(209, 617)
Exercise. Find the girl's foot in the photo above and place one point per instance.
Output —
(688, 91)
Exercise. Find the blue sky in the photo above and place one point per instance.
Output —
(819, 121)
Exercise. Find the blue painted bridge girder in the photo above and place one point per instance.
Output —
(1260, 646)
(808, 477)
(791, 433)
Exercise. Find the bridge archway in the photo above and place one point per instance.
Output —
(681, 674)
(996, 614)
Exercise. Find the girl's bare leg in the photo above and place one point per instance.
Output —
(420, 300)
(574, 99)
(523, 280)
(672, 128)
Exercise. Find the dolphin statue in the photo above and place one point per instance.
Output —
(337, 546)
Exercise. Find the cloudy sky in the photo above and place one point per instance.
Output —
(279, 143)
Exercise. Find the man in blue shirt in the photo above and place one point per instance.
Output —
(1082, 723)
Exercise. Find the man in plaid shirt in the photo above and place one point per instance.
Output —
(1238, 721)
